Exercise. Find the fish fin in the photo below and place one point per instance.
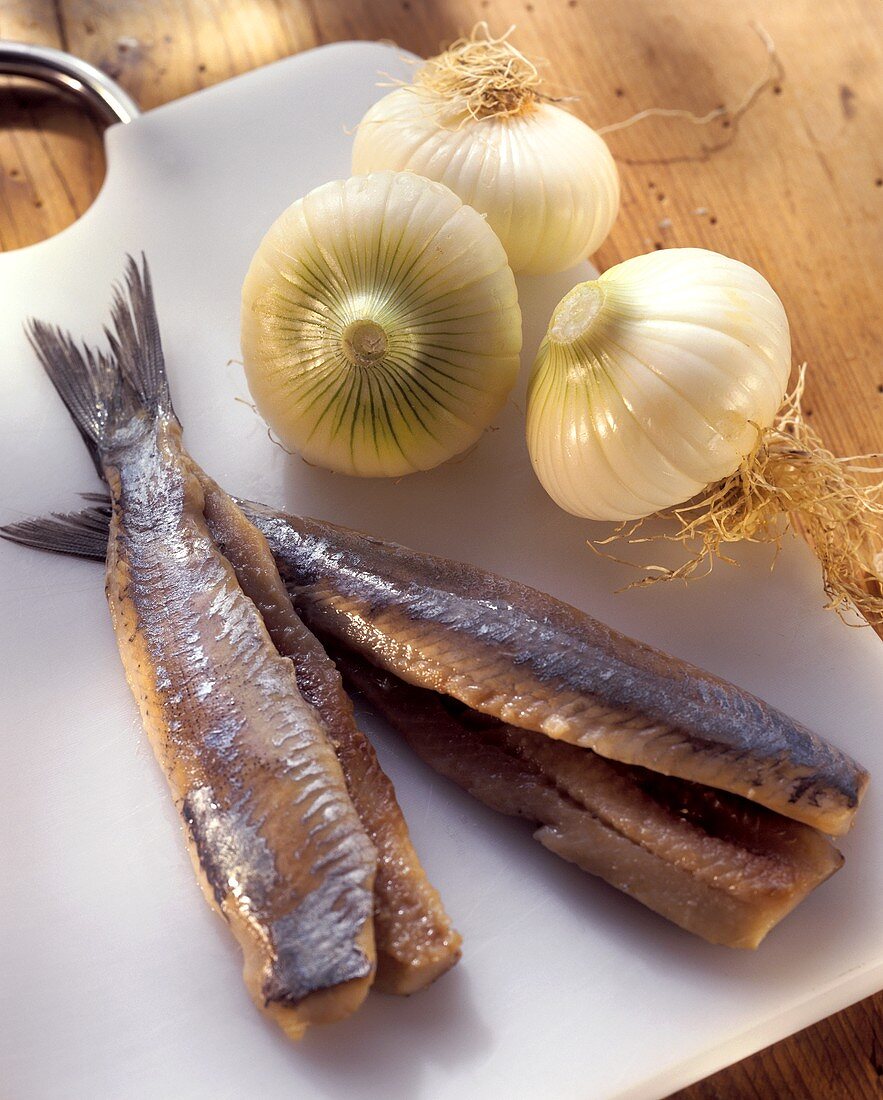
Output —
(78, 534)
(101, 499)
(135, 340)
(106, 393)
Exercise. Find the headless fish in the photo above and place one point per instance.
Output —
(519, 655)
(414, 937)
(276, 843)
(713, 861)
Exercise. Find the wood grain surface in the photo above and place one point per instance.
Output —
(792, 185)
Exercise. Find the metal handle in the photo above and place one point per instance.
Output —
(52, 66)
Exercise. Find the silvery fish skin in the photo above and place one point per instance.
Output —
(514, 653)
(713, 862)
(717, 865)
(415, 940)
(276, 843)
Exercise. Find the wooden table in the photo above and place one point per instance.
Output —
(794, 186)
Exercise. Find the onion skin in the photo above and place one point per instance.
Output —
(653, 381)
(380, 325)
(546, 181)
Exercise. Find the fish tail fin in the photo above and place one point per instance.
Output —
(79, 534)
(105, 393)
(135, 340)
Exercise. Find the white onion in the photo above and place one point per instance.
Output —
(545, 181)
(653, 381)
(380, 325)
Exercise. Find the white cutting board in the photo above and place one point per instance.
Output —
(116, 980)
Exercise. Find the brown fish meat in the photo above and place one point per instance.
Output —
(277, 845)
(715, 864)
(414, 937)
(415, 941)
(519, 655)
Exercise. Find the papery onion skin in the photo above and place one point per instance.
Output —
(380, 325)
(546, 181)
(685, 355)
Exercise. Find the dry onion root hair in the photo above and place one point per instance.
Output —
(482, 77)
(479, 76)
(789, 481)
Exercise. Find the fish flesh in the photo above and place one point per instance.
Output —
(509, 651)
(713, 863)
(275, 840)
(415, 940)
(414, 937)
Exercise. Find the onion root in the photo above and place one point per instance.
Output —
(789, 482)
(481, 76)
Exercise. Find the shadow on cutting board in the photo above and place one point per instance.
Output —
(380, 1058)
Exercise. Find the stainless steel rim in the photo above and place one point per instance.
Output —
(53, 66)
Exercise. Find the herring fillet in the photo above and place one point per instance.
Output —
(276, 843)
(415, 940)
(509, 651)
(713, 863)
(717, 864)
(517, 654)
